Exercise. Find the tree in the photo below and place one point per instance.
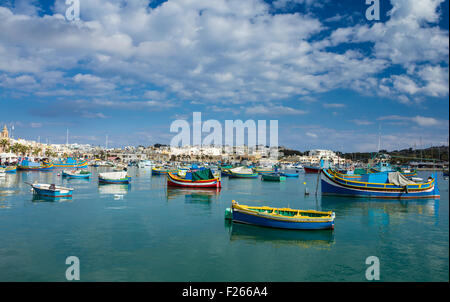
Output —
(4, 143)
(37, 151)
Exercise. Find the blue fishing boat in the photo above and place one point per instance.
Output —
(76, 174)
(51, 190)
(114, 178)
(282, 218)
(26, 165)
(378, 185)
(289, 174)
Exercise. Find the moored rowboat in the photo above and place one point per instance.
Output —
(242, 172)
(289, 174)
(51, 190)
(76, 174)
(283, 218)
(273, 177)
(114, 178)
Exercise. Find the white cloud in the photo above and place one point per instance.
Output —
(360, 122)
(232, 52)
(419, 120)
(333, 105)
(273, 110)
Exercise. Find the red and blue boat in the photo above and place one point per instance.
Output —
(196, 179)
(281, 218)
(378, 185)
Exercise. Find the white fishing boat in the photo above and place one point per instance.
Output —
(146, 164)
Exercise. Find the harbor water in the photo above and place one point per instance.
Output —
(148, 232)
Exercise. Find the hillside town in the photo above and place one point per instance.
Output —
(11, 149)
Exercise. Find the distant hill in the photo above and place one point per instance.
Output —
(438, 153)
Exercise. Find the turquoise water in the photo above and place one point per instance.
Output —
(147, 232)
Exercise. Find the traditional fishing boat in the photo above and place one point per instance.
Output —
(95, 162)
(378, 185)
(199, 179)
(26, 165)
(283, 218)
(76, 174)
(225, 172)
(51, 190)
(162, 170)
(242, 172)
(70, 163)
(9, 169)
(114, 178)
(273, 177)
(225, 167)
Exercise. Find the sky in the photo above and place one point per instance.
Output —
(127, 69)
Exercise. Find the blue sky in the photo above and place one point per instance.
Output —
(332, 78)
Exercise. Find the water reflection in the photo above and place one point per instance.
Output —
(114, 188)
(39, 198)
(193, 195)
(304, 239)
(380, 211)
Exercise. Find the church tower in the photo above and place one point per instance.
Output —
(5, 133)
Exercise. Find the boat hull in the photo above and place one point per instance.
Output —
(311, 169)
(267, 177)
(10, 169)
(76, 175)
(243, 175)
(41, 191)
(126, 180)
(335, 186)
(290, 174)
(40, 168)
